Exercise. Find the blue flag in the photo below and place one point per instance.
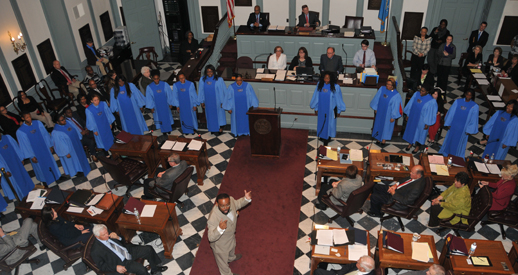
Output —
(383, 13)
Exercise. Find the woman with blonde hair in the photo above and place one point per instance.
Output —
(277, 61)
(504, 188)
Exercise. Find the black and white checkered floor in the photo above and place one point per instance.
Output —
(199, 201)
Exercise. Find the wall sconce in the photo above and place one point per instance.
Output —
(17, 46)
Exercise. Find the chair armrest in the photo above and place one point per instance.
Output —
(80, 243)
(460, 216)
(163, 189)
(12, 251)
(406, 205)
(341, 201)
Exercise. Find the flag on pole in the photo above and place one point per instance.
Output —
(230, 12)
(383, 13)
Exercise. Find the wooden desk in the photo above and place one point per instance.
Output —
(199, 159)
(333, 168)
(492, 249)
(332, 258)
(143, 147)
(513, 256)
(24, 207)
(159, 224)
(441, 180)
(389, 258)
(107, 217)
(476, 175)
(374, 170)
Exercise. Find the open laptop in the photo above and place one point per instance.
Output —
(305, 70)
(247, 73)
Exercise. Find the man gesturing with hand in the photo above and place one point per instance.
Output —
(222, 228)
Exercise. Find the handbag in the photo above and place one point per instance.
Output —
(107, 201)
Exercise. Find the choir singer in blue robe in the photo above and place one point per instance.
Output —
(387, 108)
(502, 131)
(211, 94)
(35, 143)
(240, 97)
(461, 121)
(326, 97)
(11, 159)
(186, 100)
(159, 98)
(99, 120)
(67, 144)
(421, 113)
(126, 100)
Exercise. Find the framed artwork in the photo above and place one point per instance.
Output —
(374, 5)
(243, 3)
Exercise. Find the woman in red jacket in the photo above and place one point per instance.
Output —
(504, 188)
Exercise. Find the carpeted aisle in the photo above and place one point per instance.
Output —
(267, 229)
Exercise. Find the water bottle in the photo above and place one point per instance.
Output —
(486, 158)
(479, 65)
(492, 158)
(338, 150)
(472, 249)
(137, 214)
(450, 161)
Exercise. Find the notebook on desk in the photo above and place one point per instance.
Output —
(123, 137)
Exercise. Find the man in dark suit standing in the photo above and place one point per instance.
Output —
(257, 19)
(330, 62)
(364, 265)
(307, 18)
(406, 192)
(478, 37)
(110, 254)
(165, 178)
(63, 79)
(88, 137)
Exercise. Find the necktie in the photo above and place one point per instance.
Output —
(404, 183)
(307, 19)
(364, 57)
(122, 251)
(258, 18)
(66, 76)
(479, 34)
(77, 124)
(13, 119)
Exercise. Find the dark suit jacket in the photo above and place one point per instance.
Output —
(104, 96)
(295, 62)
(409, 193)
(64, 231)
(90, 56)
(58, 78)
(81, 111)
(489, 62)
(104, 258)
(82, 122)
(331, 65)
(345, 269)
(473, 40)
(262, 20)
(429, 81)
(167, 179)
(313, 19)
(8, 125)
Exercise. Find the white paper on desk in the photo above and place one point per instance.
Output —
(260, 76)
(499, 104)
(280, 75)
(168, 145)
(482, 82)
(514, 91)
(280, 28)
(341, 77)
(433, 168)
(292, 72)
(356, 155)
(73, 209)
(356, 251)
(322, 249)
(494, 98)
(92, 210)
(501, 91)
(272, 27)
(291, 78)
(178, 146)
(339, 236)
(406, 160)
(148, 211)
(195, 145)
(34, 194)
(272, 76)
(95, 199)
(325, 237)
(493, 168)
(481, 167)
(348, 81)
(371, 71)
(38, 203)
(260, 70)
(479, 75)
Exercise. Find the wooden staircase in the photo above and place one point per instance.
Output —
(228, 56)
(384, 62)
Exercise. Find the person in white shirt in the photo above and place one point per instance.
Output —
(365, 57)
(277, 61)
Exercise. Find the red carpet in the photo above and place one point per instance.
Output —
(267, 229)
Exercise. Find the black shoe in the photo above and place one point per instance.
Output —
(408, 147)
(374, 215)
(159, 269)
(378, 142)
(43, 247)
(321, 206)
(144, 197)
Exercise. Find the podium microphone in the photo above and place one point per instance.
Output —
(345, 57)
(109, 192)
(274, 99)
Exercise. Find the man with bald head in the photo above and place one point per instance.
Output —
(65, 80)
(434, 269)
(364, 266)
(405, 192)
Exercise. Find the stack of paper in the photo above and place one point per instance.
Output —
(34, 194)
(260, 70)
(493, 169)
(92, 210)
(442, 170)
(488, 168)
(501, 90)
(332, 154)
(280, 75)
(341, 77)
(371, 71)
(499, 104)
(482, 82)
(272, 27)
(435, 159)
(339, 236)
(280, 28)
(178, 146)
(325, 237)
(260, 76)
(148, 211)
(38, 203)
(356, 251)
(168, 145)
(406, 160)
(356, 155)
(195, 145)
(348, 81)
(494, 98)
(74, 209)
(322, 249)
(421, 252)
(479, 75)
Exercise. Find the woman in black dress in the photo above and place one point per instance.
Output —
(83, 103)
(473, 60)
(301, 60)
(495, 60)
(27, 104)
(188, 47)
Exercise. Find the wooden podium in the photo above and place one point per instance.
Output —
(265, 131)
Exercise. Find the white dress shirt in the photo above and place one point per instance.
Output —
(275, 64)
(370, 58)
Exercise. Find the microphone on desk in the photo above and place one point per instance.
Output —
(345, 57)
(60, 191)
(274, 99)
(109, 192)
(318, 141)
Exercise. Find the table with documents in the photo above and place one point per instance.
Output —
(477, 175)
(344, 254)
(333, 168)
(143, 147)
(26, 209)
(193, 151)
(380, 166)
(435, 166)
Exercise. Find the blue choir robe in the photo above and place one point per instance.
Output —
(185, 97)
(421, 111)
(387, 105)
(213, 93)
(463, 119)
(67, 140)
(132, 119)
(160, 97)
(325, 102)
(11, 159)
(502, 129)
(98, 119)
(239, 100)
(35, 141)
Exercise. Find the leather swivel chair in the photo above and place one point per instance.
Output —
(70, 254)
(508, 216)
(178, 188)
(125, 171)
(29, 250)
(353, 205)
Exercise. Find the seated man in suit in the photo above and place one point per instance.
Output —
(435, 269)
(330, 62)
(365, 57)
(478, 37)
(307, 18)
(88, 139)
(257, 19)
(111, 254)
(9, 122)
(94, 89)
(165, 178)
(62, 78)
(92, 57)
(8, 242)
(364, 266)
(90, 74)
(406, 192)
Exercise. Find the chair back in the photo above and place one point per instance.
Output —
(379, 271)
(480, 205)
(267, 15)
(245, 62)
(15, 104)
(28, 251)
(180, 184)
(89, 261)
(149, 54)
(69, 255)
(353, 22)
(44, 92)
(357, 198)
(422, 199)
(463, 57)
(114, 169)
